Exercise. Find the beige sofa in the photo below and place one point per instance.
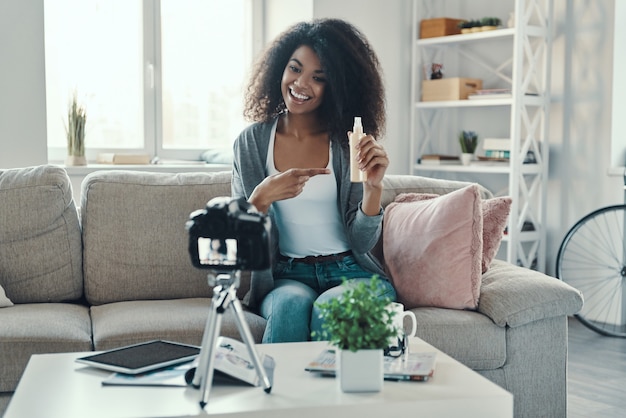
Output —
(120, 273)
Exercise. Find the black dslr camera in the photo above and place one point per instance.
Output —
(229, 234)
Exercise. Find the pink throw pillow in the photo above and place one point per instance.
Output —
(433, 249)
(4, 300)
(495, 217)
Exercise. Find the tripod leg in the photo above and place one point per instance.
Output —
(219, 296)
(204, 355)
(244, 330)
(207, 381)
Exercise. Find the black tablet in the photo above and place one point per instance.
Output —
(142, 357)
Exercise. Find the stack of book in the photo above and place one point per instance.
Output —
(439, 159)
(490, 94)
(497, 148)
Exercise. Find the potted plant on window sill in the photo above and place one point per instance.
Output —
(75, 130)
(360, 325)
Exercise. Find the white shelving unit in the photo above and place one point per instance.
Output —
(517, 58)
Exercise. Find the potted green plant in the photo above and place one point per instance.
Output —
(360, 325)
(469, 142)
(490, 23)
(75, 130)
(465, 26)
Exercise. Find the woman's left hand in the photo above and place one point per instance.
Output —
(373, 160)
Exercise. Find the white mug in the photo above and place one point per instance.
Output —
(397, 343)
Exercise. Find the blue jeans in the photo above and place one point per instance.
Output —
(289, 308)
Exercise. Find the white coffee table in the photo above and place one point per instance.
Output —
(53, 385)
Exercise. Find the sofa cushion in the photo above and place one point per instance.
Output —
(514, 296)
(433, 249)
(4, 300)
(181, 320)
(135, 241)
(40, 237)
(38, 328)
(468, 336)
(495, 215)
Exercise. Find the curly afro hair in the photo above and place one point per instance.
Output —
(354, 85)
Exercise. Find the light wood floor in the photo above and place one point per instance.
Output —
(597, 374)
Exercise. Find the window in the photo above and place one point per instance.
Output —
(158, 77)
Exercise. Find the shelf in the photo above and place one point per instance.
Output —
(493, 168)
(534, 31)
(525, 236)
(516, 58)
(466, 37)
(530, 100)
(463, 103)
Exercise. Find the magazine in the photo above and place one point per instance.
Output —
(412, 366)
(232, 364)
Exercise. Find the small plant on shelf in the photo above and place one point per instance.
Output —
(468, 141)
(468, 26)
(490, 22)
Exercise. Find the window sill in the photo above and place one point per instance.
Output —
(83, 170)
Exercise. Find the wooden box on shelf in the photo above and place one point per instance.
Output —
(441, 26)
(456, 88)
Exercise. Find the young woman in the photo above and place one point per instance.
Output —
(294, 164)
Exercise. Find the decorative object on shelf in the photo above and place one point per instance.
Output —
(468, 141)
(454, 88)
(360, 325)
(511, 22)
(436, 71)
(442, 26)
(490, 23)
(470, 26)
(75, 130)
(484, 24)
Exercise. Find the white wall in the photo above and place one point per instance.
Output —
(580, 117)
(387, 26)
(22, 84)
(580, 126)
(618, 131)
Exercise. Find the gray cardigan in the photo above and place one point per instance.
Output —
(363, 232)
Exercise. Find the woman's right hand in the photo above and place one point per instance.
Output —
(281, 186)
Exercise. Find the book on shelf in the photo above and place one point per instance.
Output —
(232, 364)
(439, 159)
(490, 153)
(418, 367)
(116, 158)
(490, 94)
(497, 144)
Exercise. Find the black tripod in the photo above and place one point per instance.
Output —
(224, 296)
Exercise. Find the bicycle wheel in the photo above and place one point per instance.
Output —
(592, 259)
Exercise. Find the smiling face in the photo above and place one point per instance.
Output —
(303, 82)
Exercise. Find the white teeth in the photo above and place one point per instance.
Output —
(299, 96)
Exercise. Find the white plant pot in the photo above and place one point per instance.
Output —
(75, 160)
(466, 158)
(360, 371)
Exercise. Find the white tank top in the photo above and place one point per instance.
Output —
(309, 224)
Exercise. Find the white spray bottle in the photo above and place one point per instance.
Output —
(356, 175)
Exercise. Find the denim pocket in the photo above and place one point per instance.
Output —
(281, 267)
(349, 264)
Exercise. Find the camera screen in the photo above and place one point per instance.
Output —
(217, 251)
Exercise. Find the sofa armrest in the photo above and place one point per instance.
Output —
(514, 296)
